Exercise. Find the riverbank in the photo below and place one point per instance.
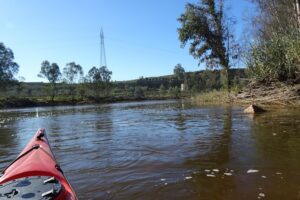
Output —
(14, 102)
(273, 94)
(276, 94)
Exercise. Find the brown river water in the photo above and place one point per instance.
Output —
(165, 149)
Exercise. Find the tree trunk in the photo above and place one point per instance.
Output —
(297, 9)
(53, 92)
(228, 85)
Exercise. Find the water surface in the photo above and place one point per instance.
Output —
(165, 149)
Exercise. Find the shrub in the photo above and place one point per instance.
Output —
(162, 90)
(174, 92)
(138, 92)
(276, 59)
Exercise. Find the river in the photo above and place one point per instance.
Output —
(165, 149)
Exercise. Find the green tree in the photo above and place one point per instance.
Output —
(138, 92)
(162, 90)
(105, 74)
(100, 79)
(20, 85)
(276, 16)
(8, 68)
(72, 74)
(95, 80)
(174, 92)
(94, 75)
(52, 73)
(274, 53)
(179, 72)
(205, 25)
(83, 87)
(276, 59)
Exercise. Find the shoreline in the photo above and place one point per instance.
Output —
(276, 95)
(8, 103)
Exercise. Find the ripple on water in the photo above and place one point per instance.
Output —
(164, 149)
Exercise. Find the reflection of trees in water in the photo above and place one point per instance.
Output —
(275, 147)
(82, 125)
(104, 123)
(7, 137)
(221, 144)
(214, 153)
(180, 121)
(8, 140)
(277, 138)
(181, 117)
(8, 131)
(226, 136)
(218, 145)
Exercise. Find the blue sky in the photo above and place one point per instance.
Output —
(141, 36)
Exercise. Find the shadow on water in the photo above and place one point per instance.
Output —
(277, 139)
(8, 140)
(211, 162)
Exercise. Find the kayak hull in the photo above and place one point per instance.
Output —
(37, 159)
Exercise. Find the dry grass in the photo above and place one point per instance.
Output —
(278, 95)
(213, 97)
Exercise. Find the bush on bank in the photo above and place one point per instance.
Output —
(276, 59)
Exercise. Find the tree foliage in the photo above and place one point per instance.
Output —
(101, 74)
(179, 72)
(52, 73)
(206, 27)
(275, 16)
(105, 74)
(94, 75)
(162, 90)
(138, 93)
(72, 72)
(276, 59)
(100, 78)
(274, 54)
(8, 67)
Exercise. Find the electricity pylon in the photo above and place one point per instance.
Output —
(102, 50)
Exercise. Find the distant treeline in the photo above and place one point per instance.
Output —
(198, 81)
(164, 86)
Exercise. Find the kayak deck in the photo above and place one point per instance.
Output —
(37, 160)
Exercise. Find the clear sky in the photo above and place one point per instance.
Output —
(141, 36)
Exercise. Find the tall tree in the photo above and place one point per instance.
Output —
(8, 67)
(94, 75)
(206, 27)
(52, 73)
(179, 72)
(100, 78)
(72, 74)
(275, 16)
(105, 74)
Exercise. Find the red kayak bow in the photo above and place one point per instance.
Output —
(35, 174)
